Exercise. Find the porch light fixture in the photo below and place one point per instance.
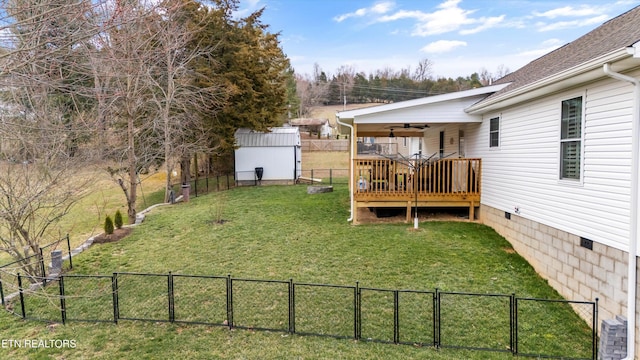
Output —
(391, 134)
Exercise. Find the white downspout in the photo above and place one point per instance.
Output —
(350, 166)
(633, 236)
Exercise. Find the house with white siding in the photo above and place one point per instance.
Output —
(549, 156)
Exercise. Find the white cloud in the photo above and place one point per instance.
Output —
(377, 8)
(247, 7)
(487, 23)
(442, 46)
(569, 11)
(571, 24)
(448, 17)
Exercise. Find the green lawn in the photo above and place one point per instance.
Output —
(282, 233)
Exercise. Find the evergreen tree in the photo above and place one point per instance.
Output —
(251, 66)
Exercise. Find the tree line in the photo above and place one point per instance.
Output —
(381, 86)
(127, 86)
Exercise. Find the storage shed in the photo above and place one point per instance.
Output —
(273, 157)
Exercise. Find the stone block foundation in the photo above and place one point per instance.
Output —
(567, 263)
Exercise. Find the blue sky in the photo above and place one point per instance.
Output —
(459, 37)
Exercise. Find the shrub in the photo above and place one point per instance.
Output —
(108, 225)
(117, 219)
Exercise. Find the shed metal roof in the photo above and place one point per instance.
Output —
(279, 136)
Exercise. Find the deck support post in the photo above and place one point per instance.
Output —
(472, 211)
(354, 220)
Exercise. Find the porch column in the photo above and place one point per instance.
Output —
(354, 151)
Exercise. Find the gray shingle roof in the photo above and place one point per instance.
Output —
(615, 34)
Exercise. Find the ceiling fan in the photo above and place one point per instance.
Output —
(406, 126)
(409, 126)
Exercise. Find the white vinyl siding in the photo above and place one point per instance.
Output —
(525, 172)
(432, 141)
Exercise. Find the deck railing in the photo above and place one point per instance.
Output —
(387, 178)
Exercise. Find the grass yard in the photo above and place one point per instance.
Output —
(282, 233)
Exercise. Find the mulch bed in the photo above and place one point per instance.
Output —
(117, 235)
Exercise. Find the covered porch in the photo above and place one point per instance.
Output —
(432, 170)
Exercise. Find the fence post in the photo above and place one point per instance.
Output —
(229, 302)
(292, 325)
(195, 186)
(436, 319)
(1, 291)
(357, 316)
(228, 185)
(512, 300)
(293, 301)
(24, 315)
(63, 309)
(594, 330)
(171, 299)
(396, 317)
(69, 249)
(42, 268)
(515, 327)
(331, 176)
(114, 292)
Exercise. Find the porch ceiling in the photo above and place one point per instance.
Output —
(433, 110)
(400, 129)
(383, 130)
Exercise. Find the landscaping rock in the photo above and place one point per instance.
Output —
(319, 189)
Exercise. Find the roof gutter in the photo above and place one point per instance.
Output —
(633, 236)
(350, 165)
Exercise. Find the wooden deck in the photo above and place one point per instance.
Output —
(381, 182)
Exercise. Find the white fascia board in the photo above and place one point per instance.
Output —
(350, 114)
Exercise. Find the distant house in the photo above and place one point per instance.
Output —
(271, 157)
(549, 156)
(320, 127)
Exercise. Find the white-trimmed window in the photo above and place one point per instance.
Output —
(494, 132)
(571, 139)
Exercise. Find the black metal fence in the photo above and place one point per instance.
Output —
(325, 176)
(206, 184)
(328, 176)
(35, 268)
(490, 322)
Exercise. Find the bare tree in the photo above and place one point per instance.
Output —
(487, 78)
(178, 103)
(120, 65)
(149, 92)
(423, 70)
(311, 93)
(45, 123)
